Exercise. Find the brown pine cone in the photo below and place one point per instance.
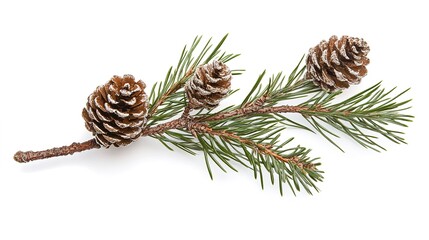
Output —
(210, 84)
(338, 63)
(116, 111)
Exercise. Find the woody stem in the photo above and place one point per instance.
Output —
(29, 156)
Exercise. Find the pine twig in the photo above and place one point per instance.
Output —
(251, 110)
(262, 148)
(174, 88)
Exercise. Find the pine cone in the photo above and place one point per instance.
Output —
(116, 112)
(338, 63)
(210, 84)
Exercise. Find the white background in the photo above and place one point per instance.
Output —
(53, 54)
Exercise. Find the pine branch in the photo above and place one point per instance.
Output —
(292, 167)
(220, 146)
(248, 134)
(373, 110)
(262, 116)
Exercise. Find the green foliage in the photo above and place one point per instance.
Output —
(225, 152)
(256, 143)
(372, 111)
(265, 130)
(281, 88)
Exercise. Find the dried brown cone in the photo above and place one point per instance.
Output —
(209, 85)
(116, 111)
(338, 63)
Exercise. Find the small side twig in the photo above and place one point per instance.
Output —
(174, 88)
(257, 107)
(252, 109)
(263, 148)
